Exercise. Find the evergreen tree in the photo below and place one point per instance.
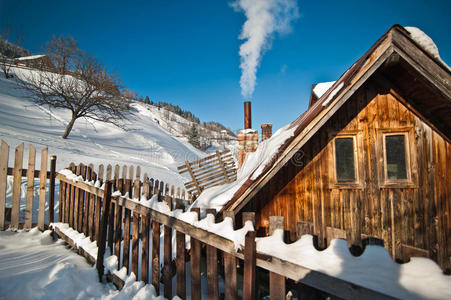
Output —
(147, 100)
(193, 138)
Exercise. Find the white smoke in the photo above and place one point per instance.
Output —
(264, 18)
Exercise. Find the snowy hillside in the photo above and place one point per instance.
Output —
(148, 144)
(180, 127)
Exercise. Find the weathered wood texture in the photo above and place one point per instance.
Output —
(415, 213)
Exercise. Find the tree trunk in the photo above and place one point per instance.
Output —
(69, 127)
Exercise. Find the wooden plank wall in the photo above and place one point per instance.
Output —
(412, 219)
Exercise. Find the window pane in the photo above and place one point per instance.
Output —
(396, 157)
(344, 158)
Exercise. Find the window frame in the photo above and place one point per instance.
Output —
(358, 169)
(384, 182)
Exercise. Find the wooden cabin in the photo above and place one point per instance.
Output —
(370, 157)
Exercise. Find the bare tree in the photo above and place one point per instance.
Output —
(8, 51)
(79, 83)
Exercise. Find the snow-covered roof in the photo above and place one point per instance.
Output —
(30, 57)
(321, 88)
(425, 42)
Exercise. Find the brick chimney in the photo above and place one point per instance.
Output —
(266, 131)
(247, 138)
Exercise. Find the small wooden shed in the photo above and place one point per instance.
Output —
(370, 157)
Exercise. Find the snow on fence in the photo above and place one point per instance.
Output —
(123, 216)
(11, 214)
(131, 215)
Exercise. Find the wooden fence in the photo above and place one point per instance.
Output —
(128, 228)
(119, 220)
(11, 215)
(213, 170)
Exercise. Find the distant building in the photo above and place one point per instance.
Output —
(34, 61)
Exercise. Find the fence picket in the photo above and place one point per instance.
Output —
(156, 256)
(102, 230)
(167, 250)
(135, 225)
(17, 173)
(4, 154)
(30, 187)
(92, 200)
(77, 200)
(71, 198)
(42, 188)
(180, 260)
(87, 212)
(98, 207)
(145, 231)
(126, 245)
(81, 202)
(52, 188)
(118, 232)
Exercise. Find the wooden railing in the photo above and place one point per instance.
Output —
(120, 220)
(210, 171)
(9, 217)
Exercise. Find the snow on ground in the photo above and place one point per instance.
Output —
(33, 266)
(147, 144)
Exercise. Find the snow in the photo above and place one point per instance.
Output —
(420, 278)
(30, 57)
(147, 144)
(426, 42)
(321, 88)
(253, 165)
(332, 94)
(33, 266)
(247, 131)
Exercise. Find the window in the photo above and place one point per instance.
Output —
(395, 157)
(344, 159)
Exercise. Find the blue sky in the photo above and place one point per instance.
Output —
(185, 52)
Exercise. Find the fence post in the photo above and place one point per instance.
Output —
(195, 264)
(52, 190)
(212, 266)
(230, 267)
(249, 266)
(103, 229)
(276, 281)
(250, 259)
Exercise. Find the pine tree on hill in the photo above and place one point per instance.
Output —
(147, 100)
(193, 138)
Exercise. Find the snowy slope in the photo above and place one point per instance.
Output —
(179, 127)
(147, 144)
